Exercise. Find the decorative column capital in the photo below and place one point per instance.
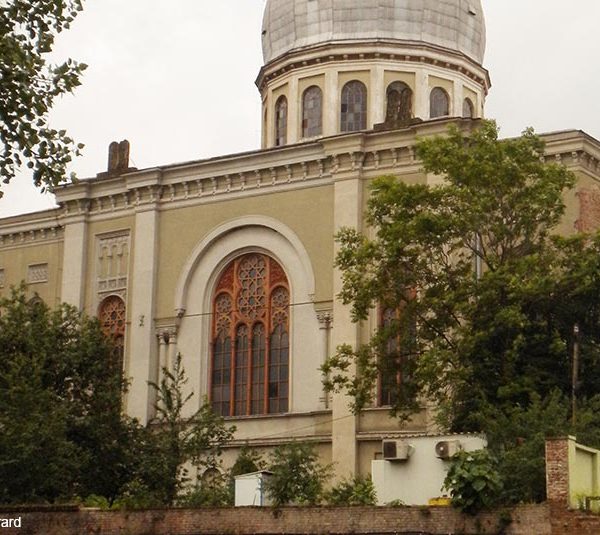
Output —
(325, 319)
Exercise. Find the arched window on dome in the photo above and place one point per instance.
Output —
(439, 103)
(312, 112)
(468, 109)
(281, 111)
(354, 107)
(399, 102)
(112, 317)
(250, 338)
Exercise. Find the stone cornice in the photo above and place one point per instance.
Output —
(355, 52)
(311, 164)
(28, 229)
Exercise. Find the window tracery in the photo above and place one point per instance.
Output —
(312, 112)
(439, 103)
(250, 359)
(112, 317)
(281, 108)
(354, 107)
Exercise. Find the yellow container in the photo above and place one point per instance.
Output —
(442, 501)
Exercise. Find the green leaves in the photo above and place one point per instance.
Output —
(488, 294)
(473, 481)
(298, 477)
(29, 87)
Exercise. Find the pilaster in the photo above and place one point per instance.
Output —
(143, 362)
(74, 260)
(347, 213)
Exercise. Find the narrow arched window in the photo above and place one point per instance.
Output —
(439, 103)
(251, 307)
(111, 314)
(468, 108)
(281, 109)
(312, 112)
(389, 366)
(399, 103)
(398, 327)
(354, 107)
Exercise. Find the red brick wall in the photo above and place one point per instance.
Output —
(527, 520)
(557, 471)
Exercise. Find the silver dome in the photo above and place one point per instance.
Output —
(290, 25)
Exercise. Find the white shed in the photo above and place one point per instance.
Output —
(250, 489)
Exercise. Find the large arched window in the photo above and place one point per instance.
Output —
(250, 330)
(354, 107)
(111, 314)
(439, 103)
(399, 102)
(281, 109)
(468, 109)
(312, 112)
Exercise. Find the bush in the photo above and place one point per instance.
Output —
(473, 481)
(356, 491)
(298, 477)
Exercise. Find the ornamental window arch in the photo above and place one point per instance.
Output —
(250, 337)
(112, 317)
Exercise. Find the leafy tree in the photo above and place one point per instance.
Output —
(174, 440)
(298, 477)
(474, 336)
(488, 298)
(29, 86)
(60, 398)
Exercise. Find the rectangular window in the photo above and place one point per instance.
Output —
(37, 273)
(1, 278)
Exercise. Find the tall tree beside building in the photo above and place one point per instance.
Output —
(29, 87)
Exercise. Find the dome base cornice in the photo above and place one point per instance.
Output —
(389, 50)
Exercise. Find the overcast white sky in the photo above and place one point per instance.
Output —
(176, 78)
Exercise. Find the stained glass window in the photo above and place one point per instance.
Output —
(354, 107)
(468, 108)
(112, 321)
(312, 112)
(281, 121)
(439, 103)
(251, 307)
(399, 102)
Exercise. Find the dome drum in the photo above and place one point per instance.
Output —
(352, 50)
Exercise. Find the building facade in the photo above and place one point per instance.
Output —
(229, 260)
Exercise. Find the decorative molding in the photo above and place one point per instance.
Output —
(37, 273)
(112, 265)
(31, 236)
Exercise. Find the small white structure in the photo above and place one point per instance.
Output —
(413, 468)
(250, 489)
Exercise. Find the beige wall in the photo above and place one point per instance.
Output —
(15, 261)
(307, 212)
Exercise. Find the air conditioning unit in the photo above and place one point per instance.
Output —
(396, 450)
(447, 448)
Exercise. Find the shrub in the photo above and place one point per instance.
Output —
(356, 491)
(473, 481)
(298, 477)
